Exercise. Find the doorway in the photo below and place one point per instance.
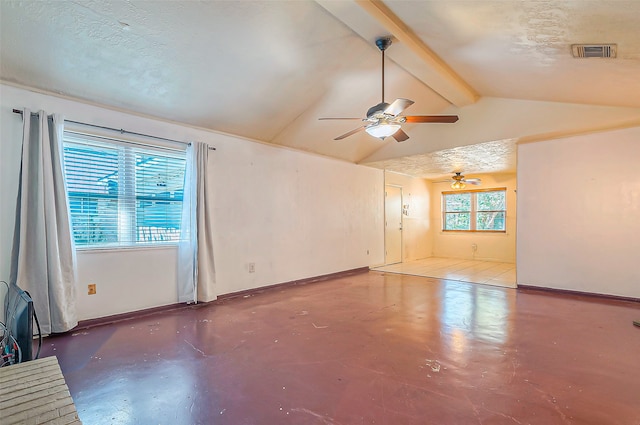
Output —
(392, 224)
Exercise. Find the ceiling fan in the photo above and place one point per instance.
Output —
(384, 119)
(458, 181)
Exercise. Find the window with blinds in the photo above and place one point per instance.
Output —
(123, 194)
(474, 210)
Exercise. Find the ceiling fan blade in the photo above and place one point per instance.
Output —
(398, 106)
(472, 181)
(444, 181)
(432, 118)
(349, 133)
(400, 136)
(360, 119)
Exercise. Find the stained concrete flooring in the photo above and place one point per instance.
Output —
(372, 348)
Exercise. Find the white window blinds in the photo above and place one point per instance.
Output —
(123, 194)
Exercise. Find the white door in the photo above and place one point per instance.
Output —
(393, 224)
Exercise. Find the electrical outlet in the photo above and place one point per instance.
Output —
(252, 267)
(91, 289)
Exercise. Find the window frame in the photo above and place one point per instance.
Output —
(128, 151)
(474, 210)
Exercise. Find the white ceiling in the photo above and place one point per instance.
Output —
(267, 70)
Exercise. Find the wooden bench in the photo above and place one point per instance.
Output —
(35, 392)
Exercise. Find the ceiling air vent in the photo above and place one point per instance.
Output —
(594, 50)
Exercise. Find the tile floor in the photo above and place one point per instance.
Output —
(473, 271)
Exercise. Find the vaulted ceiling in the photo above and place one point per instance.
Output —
(267, 70)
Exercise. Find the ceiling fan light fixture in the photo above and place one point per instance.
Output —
(458, 185)
(382, 130)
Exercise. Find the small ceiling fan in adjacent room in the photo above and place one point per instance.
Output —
(458, 181)
(384, 119)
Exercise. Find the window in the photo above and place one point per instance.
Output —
(475, 211)
(122, 194)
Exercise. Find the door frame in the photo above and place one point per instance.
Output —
(401, 223)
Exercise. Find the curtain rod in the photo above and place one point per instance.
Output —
(120, 130)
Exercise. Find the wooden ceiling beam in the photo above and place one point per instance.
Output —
(443, 79)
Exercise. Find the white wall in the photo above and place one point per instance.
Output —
(579, 213)
(416, 225)
(294, 215)
(491, 246)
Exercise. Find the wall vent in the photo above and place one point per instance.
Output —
(594, 50)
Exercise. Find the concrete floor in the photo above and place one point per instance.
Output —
(372, 348)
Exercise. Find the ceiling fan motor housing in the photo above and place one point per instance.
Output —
(377, 110)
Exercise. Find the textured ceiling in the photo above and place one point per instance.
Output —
(246, 68)
(489, 157)
(521, 49)
(267, 70)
